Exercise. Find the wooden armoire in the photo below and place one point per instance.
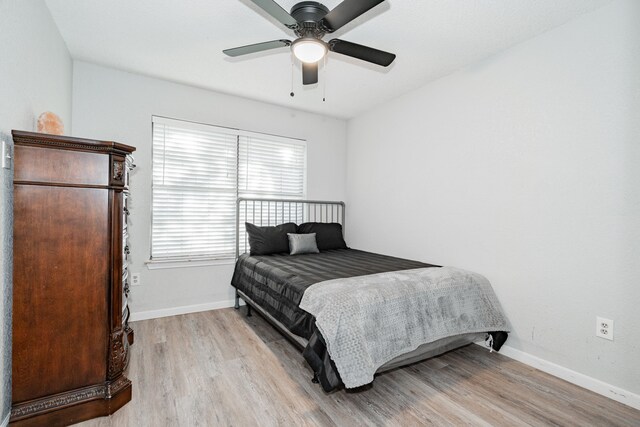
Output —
(71, 335)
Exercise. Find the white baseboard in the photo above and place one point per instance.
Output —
(185, 309)
(612, 392)
(5, 422)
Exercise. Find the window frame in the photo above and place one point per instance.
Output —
(194, 261)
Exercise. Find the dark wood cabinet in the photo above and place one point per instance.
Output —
(71, 335)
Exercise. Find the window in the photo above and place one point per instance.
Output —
(198, 173)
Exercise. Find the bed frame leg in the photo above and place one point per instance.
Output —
(237, 305)
(248, 310)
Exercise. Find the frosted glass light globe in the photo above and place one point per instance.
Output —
(309, 50)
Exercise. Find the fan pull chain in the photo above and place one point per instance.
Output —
(324, 78)
(292, 69)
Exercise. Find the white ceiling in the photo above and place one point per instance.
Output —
(182, 41)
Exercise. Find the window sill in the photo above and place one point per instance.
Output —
(158, 265)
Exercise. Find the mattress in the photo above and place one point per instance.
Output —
(277, 282)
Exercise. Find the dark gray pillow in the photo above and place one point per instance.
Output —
(269, 240)
(328, 234)
(302, 243)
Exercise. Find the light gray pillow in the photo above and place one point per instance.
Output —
(303, 243)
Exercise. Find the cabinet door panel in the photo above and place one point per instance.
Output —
(61, 283)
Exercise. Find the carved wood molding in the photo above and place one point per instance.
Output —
(117, 354)
(60, 400)
(60, 144)
(114, 387)
(74, 397)
(70, 143)
(118, 170)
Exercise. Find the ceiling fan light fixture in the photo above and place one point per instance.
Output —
(310, 21)
(309, 50)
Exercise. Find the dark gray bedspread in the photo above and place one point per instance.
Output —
(277, 282)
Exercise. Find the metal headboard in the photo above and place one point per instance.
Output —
(268, 212)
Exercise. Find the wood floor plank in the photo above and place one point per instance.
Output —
(220, 368)
(577, 404)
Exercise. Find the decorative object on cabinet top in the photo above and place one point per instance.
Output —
(50, 123)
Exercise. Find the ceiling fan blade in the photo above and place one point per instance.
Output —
(274, 9)
(309, 73)
(346, 12)
(258, 47)
(364, 53)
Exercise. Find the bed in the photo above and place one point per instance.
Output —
(276, 284)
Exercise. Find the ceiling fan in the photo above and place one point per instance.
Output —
(310, 21)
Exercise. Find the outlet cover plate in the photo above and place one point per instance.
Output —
(135, 279)
(604, 328)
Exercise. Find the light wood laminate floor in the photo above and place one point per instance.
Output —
(220, 368)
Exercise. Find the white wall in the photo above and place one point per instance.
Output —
(35, 76)
(35, 66)
(110, 104)
(525, 168)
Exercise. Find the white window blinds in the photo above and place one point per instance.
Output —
(271, 167)
(199, 171)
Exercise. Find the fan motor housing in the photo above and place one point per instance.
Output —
(309, 11)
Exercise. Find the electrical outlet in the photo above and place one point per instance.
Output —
(604, 328)
(135, 279)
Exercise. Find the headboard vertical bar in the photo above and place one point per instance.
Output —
(246, 218)
(238, 228)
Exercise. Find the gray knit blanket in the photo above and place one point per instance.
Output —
(367, 321)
